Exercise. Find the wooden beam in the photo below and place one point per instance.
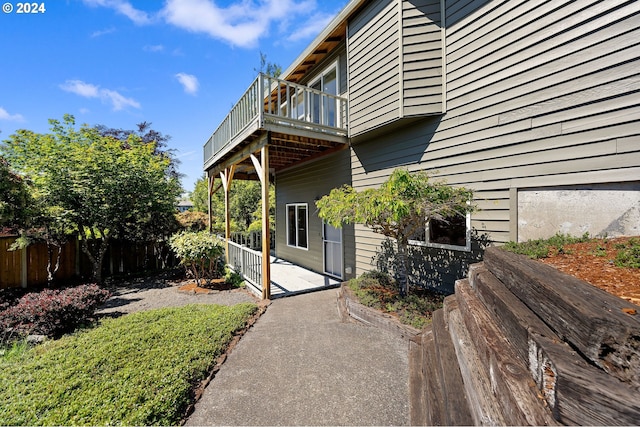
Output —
(257, 165)
(242, 154)
(227, 176)
(211, 182)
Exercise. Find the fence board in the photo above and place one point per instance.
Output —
(122, 257)
(10, 264)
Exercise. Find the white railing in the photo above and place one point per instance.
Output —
(253, 240)
(275, 101)
(247, 263)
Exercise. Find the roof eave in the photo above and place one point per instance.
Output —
(326, 33)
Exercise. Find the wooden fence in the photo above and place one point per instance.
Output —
(28, 267)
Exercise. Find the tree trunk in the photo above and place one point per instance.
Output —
(51, 272)
(403, 282)
(96, 260)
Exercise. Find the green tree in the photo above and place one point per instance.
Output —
(245, 209)
(269, 68)
(148, 136)
(103, 188)
(399, 209)
(15, 199)
(199, 196)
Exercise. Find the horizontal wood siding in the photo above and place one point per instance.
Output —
(306, 184)
(374, 67)
(540, 93)
(421, 57)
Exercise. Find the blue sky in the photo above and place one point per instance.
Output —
(179, 64)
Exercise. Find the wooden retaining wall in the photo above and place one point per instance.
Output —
(520, 343)
(28, 267)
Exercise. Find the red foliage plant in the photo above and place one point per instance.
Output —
(52, 312)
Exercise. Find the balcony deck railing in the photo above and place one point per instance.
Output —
(278, 102)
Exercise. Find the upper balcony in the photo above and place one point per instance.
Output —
(302, 120)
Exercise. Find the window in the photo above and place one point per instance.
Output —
(323, 108)
(297, 225)
(452, 233)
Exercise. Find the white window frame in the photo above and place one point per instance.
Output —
(296, 206)
(427, 243)
(320, 78)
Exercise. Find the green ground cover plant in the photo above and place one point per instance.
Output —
(378, 290)
(138, 369)
(541, 248)
(628, 254)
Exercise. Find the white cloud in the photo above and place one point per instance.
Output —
(189, 83)
(4, 115)
(88, 90)
(81, 88)
(312, 27)
(241, 24)
(237, 22)
(118, 101)
(125, 8)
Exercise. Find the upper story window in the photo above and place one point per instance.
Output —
(323, 108)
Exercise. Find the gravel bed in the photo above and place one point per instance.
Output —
(148, 293)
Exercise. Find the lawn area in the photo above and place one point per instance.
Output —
(138, 369)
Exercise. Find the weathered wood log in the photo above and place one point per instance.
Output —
(511, 315)
(456, 407)
(485, 410)
(417, 386)
(588, 393)
(590, 319)
(510, 380)
(433, 399)
(579, 393)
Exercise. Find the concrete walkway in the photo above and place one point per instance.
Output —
(301, 365)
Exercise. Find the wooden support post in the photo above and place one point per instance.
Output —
(227, 177)
(210, 181)
(262, 167)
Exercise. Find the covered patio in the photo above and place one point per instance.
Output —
(288, 279)
(277, 124)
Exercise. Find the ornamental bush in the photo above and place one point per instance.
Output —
(52, 312)
(201, 253)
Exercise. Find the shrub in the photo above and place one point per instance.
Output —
(52, 312)
(201, 253)
(378, 290)
(193, 220)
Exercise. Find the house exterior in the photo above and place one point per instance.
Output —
(535, 105)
